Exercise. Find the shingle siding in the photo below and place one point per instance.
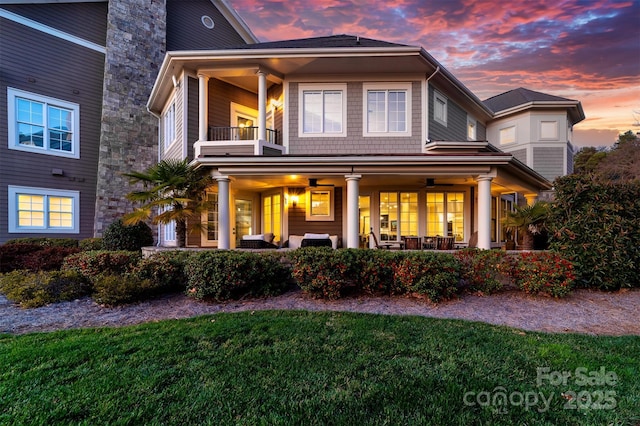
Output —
(34, 170)
(520, 155)
(355, 142)
(548, 162)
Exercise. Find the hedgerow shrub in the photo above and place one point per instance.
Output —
(165, 270)
(596, 226)
(435, 275)
(34, 289)
(119, 236)
(92, 264)
(12, 255)
(90, 244)
(48, 259)
(543, 272)
(322, 272)
(46, 241)
(377, 270)
(486, 271)
(223, 275)
(120, 289)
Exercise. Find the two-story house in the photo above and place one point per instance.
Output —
(339, 135)
(75, 77)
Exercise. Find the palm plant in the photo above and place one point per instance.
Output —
(528, 221)
(174, 191)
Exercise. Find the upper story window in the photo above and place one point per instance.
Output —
(439, 108)
(43, 125)
(169, 125)
(471, 129)
(43, 210)
(323, 110)
(507, 135)
(387, 109)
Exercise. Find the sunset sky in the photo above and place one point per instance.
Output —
(588, 50)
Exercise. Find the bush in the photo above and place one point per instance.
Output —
(377, 270)
(223, 275)
(90, 244)
(543, 272)
(12, 255)
(435, 275)
(486, 271)
(47, 259)
(322, 272)
(46, 242)
(596, 226)
(119, 236)
(34, 289)
(92, 264)
(165, 270)
(116, 289)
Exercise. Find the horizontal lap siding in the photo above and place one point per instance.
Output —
(221, 95)
(185, 30)
(192, 116)
(21, 48)
(355, 142)
(227, 150)
(85, 20)
(548, 161)
(520, 154)
(456, 128)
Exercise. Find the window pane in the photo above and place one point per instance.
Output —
(388, 216)
(60, 212)
(439, 109)
(30, 112)
(333, 112)
(320, 203)
(376, 111)
(212, 217)
(455, 215)
(312, 112)
(397, 111)
(30, 210)
(30, 135)
(409, 213)
(435, 214)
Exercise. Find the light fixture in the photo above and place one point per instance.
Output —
(275, 103)
(294, 200)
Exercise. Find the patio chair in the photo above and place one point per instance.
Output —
(387, 244)
(429, 243)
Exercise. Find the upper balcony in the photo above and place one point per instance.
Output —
(239, 141)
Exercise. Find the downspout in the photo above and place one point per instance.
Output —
(427, 110)
(159, 117)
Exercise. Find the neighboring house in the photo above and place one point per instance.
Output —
(341, 134)
(75, 77)
(536, 128)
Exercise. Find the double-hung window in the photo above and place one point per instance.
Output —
(42, 124)
(387, 109)
(323, 110)
(43, 210)
(169, 125)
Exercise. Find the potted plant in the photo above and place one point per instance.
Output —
(528, 221)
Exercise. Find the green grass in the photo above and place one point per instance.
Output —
(300, 368)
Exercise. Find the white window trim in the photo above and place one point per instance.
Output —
(474, 122)
(324, 87)
(439, 96)
(320, 218)
(13, 210)
(12, 94)
(386, 87)
(165, 113)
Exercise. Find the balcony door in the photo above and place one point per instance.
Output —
(244, 121)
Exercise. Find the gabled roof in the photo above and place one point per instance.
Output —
(334, 41)
(521, 98)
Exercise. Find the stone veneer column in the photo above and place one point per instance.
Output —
(136, 44)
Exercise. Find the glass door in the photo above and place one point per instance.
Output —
(244, 218)
(364, 208)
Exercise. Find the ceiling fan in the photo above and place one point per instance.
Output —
(313, 183)
(431, 183)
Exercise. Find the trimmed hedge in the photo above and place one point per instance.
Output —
(119, 236)
(91, 244)
(596, 226)
(34, 289)
(45, 242)
(33, 256)
(222, 275)
(92, 264)
(435, 275)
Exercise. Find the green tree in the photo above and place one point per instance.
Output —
(528, 221)
(621, 163)
(173, 191)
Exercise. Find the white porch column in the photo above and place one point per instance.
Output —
(531, 198)
(262, 105)
(353, 212)
(484, 212)
(203, 107)
(224, 210)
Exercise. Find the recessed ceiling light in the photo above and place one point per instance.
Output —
(207, 21)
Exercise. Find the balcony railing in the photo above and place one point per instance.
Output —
(241, 134)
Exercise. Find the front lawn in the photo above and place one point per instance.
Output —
(303, 368)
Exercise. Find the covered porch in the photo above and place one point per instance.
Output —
(398, 196)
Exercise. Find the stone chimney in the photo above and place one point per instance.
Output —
(136, 44)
